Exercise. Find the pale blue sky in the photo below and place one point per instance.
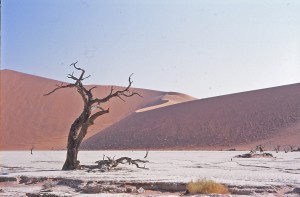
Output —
(201, 48)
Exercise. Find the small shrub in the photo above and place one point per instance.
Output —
(206, 187)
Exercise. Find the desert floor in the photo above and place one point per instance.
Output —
(167, 173)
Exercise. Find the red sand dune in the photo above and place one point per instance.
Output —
(30, 119)
(243, 120)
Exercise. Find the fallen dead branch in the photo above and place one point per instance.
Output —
(255, 155)
(108, 164)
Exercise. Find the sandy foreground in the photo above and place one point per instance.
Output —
(167, 174)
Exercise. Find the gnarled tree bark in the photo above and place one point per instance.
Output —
(80, 126)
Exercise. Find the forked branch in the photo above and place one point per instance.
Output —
(119, 93)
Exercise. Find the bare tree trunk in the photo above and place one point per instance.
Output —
(80, 126)
(71, 162)
(75, 139)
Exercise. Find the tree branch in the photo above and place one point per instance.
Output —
(90, 90)
(120, 93)
(71, 76)
(78, 68)
(60, 87)
(96, 115)
(85, 78)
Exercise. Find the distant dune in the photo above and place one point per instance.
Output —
(243, 120)
(159, 120)
(30, 119)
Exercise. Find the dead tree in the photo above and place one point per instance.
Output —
(31, 150)
(292, 148)
(92, 109)
(260, 148)
(147, 151)
(277, 148)
(286, 150)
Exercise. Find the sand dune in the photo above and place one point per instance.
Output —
(171, 98)
(159, 120)
(30, 119)
(268, 116)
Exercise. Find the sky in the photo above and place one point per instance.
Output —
(203, 48)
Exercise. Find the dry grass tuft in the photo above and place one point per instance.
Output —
(206, 187)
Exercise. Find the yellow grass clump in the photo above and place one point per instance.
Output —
(204, 186)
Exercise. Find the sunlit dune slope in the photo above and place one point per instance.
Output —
(30, 119)
(268, 116)
(168, 99)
